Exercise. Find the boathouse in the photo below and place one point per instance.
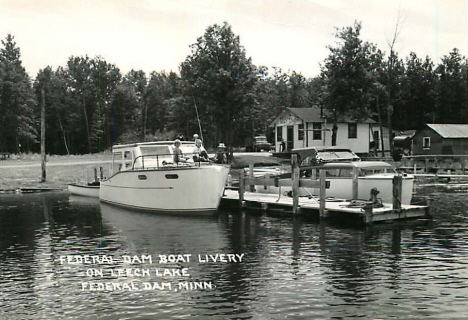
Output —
(440, 139)
(307, 127)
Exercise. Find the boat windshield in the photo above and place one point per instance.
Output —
(330, 156)
(155, 150)
(371, 171)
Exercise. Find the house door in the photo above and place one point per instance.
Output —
(290, 138)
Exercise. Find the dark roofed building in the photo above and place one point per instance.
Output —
(441, 139)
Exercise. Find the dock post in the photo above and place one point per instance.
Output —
(101, 173)
(368, 214)
(323, 188)
(355, 182)
(251, 175)
(397, 190)
(95, 174)
(241, 187)
(295, 182)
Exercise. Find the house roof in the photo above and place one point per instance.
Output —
(307, 114)
(314, 115)
(450, 130)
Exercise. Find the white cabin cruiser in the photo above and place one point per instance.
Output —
(342, 175)
(145, 176)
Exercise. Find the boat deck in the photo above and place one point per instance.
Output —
(333, 207)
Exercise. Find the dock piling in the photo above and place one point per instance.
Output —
(355, 183)
(251, 175)
(323, 187)
(295, 183)
(397, 190)
(241, 187)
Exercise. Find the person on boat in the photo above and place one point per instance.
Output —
(178, 155)
(199, 153)
(221, 156)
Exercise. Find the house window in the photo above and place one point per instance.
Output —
(279, 134)
(352, 130)
(300, 132)
(317, 133)
(427, 143)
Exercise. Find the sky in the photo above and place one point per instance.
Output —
(155, 35)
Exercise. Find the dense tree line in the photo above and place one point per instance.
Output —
(90, 105)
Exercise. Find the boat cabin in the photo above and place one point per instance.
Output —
(317, 155)
(148, 155)
(346, 170)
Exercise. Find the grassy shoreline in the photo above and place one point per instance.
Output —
(24, 171)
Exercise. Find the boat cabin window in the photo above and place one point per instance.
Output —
(128, 159)
(340, 173)
(155, 156)
(370, 171)
(155, 151)
(116, 162)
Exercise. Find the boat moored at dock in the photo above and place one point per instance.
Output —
(145, 176)
(348, 179)
(85, 190)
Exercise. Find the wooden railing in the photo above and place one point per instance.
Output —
(433, 163)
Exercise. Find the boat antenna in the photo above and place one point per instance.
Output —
(198, 118)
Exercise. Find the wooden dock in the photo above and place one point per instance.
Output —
(362, 211)
(333, 207)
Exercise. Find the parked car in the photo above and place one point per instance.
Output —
(259, 143)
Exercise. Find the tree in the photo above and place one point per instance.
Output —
(451, 88)
(219, 79)
(347, 76)
(17, 118)
(162, 87)
(91, 84)
(417, 95)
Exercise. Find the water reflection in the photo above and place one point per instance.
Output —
(292, 267)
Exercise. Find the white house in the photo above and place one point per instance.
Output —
(305, 127)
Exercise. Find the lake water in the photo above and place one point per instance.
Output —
(65, 257)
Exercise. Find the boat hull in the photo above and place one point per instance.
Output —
(184, 189)
(84, 190)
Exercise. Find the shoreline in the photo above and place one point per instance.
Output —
(25, 172)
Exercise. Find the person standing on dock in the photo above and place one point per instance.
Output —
(221, 157)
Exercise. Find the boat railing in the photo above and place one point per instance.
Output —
(163, 160)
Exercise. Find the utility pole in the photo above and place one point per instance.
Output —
(43, 154)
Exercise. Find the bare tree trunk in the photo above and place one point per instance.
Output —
(87, 125)
(63, 134)
(43, 128)
(390, 128)
(381, 128)
(334, 129)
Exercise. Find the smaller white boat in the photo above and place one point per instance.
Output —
(343, 175)
(86, 190)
